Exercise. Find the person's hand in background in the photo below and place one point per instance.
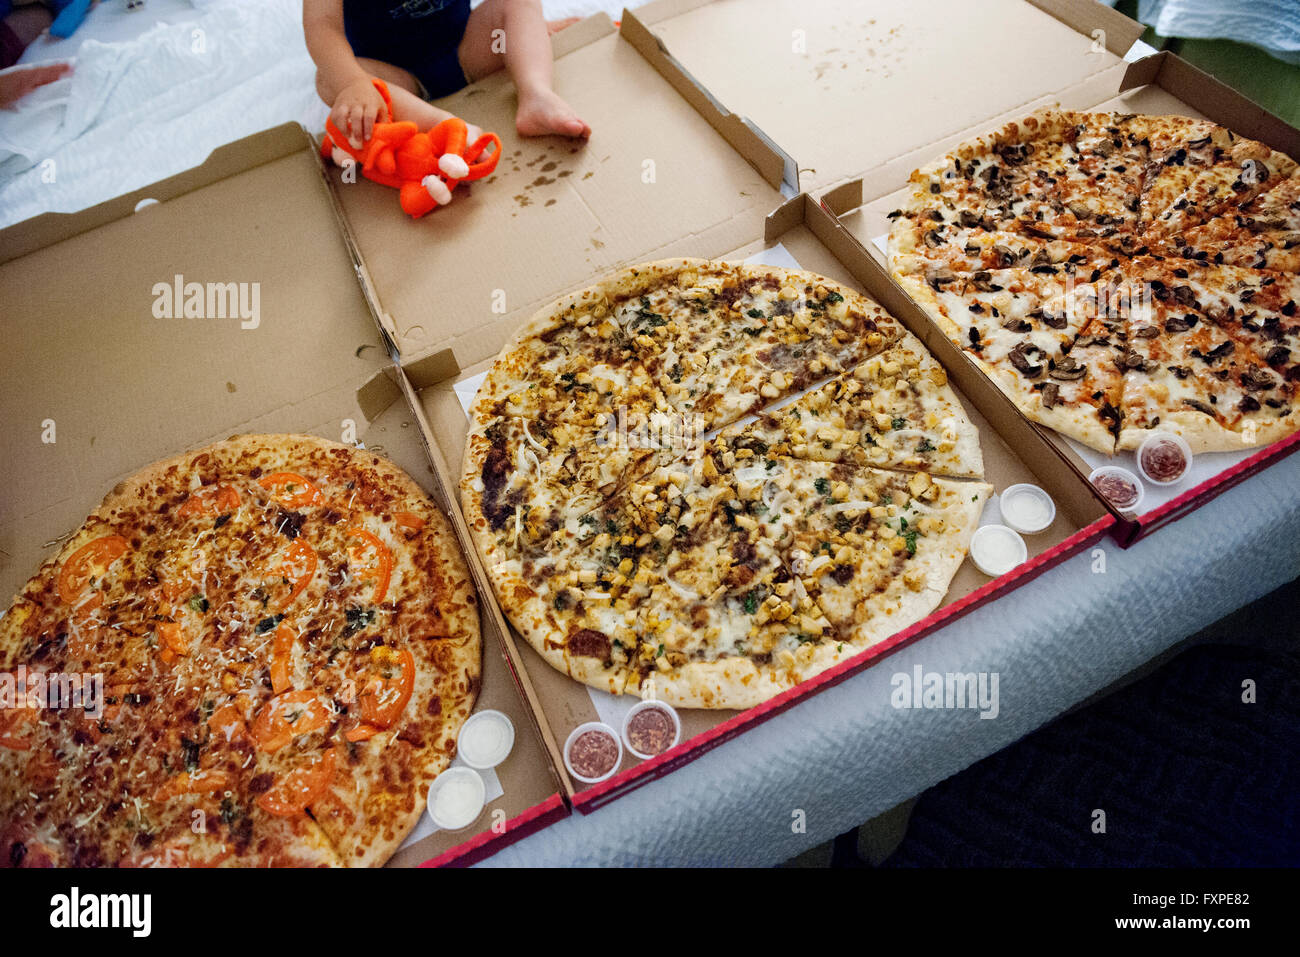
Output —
(18, 82)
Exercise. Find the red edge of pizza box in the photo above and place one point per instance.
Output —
(97, 385)
(679, 176)
(904, 72)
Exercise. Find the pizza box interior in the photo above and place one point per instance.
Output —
(97, 386)
(559, 216)
(792, 71)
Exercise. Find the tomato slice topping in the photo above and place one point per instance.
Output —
(299, 567)
(291, 489)
(385, 694)
(383, 566)
(212, 499)
(409, 520)
(362, 732)
(286, 716)
(173, 638)
(281, 651)
(199, 782)
(291, 794)
(227, 722)
(82, 564)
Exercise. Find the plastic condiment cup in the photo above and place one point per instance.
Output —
(1029, 492)
(1127, 476)
(583, 729)
(644, 706)
(477, 722)
(453, 776)
(986, 538)
(1157, 437)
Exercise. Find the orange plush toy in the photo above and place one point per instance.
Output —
(423, 167)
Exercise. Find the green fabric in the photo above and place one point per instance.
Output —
(1268, 81)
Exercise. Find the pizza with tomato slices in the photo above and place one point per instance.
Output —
(286, 641)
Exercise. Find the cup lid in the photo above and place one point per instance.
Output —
(996, 549)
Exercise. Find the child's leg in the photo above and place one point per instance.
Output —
(523, 46)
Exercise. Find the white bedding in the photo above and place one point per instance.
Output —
(135, 111)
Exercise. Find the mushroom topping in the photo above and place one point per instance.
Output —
(982, 281)
(1199, 406)
(1215, 354)
(1278, 354)
(1184, 296)
(1145, 332)
(1256, 380)
(1248, 404)
(1175, 324)
(1224, 316)
(1180, 372)
(1067, 370)
(1013, 155)
(1017, 325)
(1042, 263)
(933, 239)
(1131, 360)
(1051, 392)
(1254, 172)
(938, 275)
(1022, 362)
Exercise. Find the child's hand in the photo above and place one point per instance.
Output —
(356, 110)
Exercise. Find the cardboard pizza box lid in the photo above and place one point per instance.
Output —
(105, 371)
(848, 89)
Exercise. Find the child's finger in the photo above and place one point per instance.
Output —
(356, 124)
(339, 115)
(369, 120)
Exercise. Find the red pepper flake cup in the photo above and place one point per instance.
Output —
(593, 752)
(1164, 458)
(1120, 487)
(650, 729)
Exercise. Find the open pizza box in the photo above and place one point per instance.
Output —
(677, 176)
(861, 97)
(99, 382)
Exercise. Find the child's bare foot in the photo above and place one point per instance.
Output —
(544, 113)
(555, 26)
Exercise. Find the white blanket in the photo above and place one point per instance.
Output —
(136, 111)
